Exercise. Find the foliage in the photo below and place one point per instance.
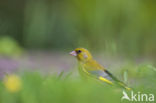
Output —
(37, 88)
(114, 26)
(9, 47)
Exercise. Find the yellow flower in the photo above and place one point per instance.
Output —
(12, 83)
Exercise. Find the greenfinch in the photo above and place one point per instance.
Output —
(90, 67)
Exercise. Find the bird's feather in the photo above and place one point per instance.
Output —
(92, 68)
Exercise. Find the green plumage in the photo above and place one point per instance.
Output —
(88, 67)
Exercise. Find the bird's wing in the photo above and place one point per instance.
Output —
(95, 69)
(100, 73)
(117, 81)
(107, 77)
(103, 76)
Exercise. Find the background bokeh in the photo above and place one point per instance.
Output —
(36, 37)
(111, 26)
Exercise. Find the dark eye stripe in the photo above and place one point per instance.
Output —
(79, 51)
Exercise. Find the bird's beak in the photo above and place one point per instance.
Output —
(73, 53)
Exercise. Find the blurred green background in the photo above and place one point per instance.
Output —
(112, 26)
(36, 37)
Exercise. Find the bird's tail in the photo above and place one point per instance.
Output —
(119, 83)
(123, 85)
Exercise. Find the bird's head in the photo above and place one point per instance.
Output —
(81, 54)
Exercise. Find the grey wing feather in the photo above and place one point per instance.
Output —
(99, 73)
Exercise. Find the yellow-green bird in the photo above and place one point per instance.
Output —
(92, 68)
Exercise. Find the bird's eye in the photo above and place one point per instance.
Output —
(79, 51)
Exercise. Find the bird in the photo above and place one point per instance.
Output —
(91, 68)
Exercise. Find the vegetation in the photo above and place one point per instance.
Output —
(120, 29)
(37, 88)
(114, 26)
